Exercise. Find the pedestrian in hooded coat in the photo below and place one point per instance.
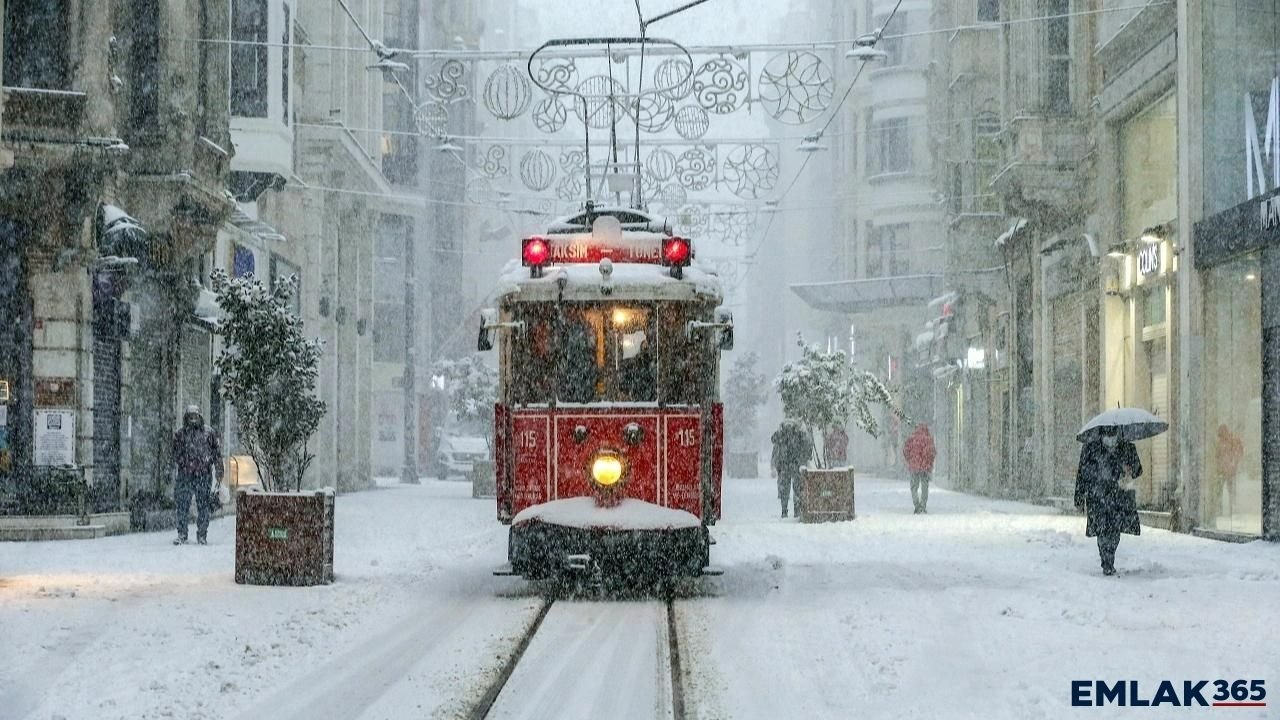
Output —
(1106, 464)
(197, 459)
(919, 453)
(791, 449)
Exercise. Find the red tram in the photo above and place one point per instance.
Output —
(609, 429)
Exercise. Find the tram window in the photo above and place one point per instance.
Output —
(578, 355)
(533, 355)
(684, 365)
(633, 359)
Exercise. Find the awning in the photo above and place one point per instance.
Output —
(854, 296)
(256, 228)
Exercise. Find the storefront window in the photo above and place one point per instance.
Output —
(1239, 47)
(1149, 167)
(1231, 491)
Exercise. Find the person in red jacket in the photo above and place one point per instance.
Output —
(919, 452)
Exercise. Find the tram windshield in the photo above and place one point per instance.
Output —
(616, 352)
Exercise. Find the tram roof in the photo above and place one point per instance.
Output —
(628, 281)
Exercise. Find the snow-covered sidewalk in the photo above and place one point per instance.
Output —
(981, 608)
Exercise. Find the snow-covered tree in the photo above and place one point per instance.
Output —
(472, 388)
(745, 390)
(824, 389)
(269, 372)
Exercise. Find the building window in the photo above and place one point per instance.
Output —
(399, 141)
(35, 44)
(144, 57)
(1056, 97)
(249, 58)
(888, 252)
(388, 332)
(890, 147)
(988, 10)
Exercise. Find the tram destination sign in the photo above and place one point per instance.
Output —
(585, 248)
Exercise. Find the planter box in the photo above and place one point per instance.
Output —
(484, 479)
(284, 538)
(742, 464)
(826, 495)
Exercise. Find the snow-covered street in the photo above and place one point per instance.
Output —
(981, 608)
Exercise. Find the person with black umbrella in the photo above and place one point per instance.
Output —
(1107, 462)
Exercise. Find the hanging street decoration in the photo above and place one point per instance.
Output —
(654, 112)
(661, 163)
(507, 93)
(432, 119)
(721, 86)
(537, 170)
(557, 74)
(692, 122)
(675, 74)
(447, 83)
(696, 167)
(601, 105)
(550, 115)
(492, 163)
(750, 170)
(795, 87)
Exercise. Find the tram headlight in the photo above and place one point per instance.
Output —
(606, 469)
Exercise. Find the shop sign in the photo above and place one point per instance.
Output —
(1269, 212)
(1149, 259)
(1255, 173)
(55, 437)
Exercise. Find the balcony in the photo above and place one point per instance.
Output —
(34, 115)
(1045, 160)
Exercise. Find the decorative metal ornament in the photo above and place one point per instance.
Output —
(729, 271)
(432, 119)
(602, 103)
(570, 188)
(537, 170)
(675, 74)
(662, 163)
(696, 168)
(507, 93)
(674, 195)
(492, 163)
(795, 87)
(720, 85)
(550, 115)
(557, 74)
(447, 84)
(692, 122)
(692, 219)
(734, 226)
(750, 170)
(479, 191)
(654, 112)
(573, 161)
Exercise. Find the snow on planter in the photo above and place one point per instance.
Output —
(630, 514)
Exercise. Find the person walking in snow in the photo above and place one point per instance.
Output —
(1106, 465)
(195, 451)
(791, 449)
(835, 447)
(919, 453)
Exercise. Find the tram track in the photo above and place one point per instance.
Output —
(574, 642)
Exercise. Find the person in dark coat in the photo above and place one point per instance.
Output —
(1106, 464)
(791, 449)
(197, 459)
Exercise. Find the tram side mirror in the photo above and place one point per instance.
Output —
(488, 329)
(724, 318)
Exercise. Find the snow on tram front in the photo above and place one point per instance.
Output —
(608, 426)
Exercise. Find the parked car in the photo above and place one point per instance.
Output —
(457, 453)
